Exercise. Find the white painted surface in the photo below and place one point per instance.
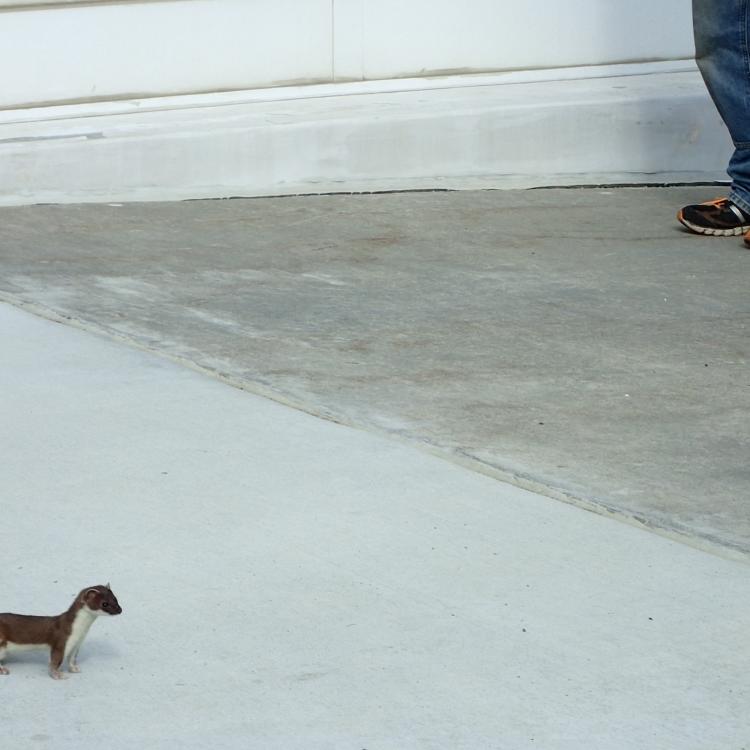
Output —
(492, 133)
(289, 583)
(287, 93)
(191, 67)
(81, 51)
(23, 4)
(160, 48)
(392, 38)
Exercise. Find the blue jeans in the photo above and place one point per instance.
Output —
(722, 35)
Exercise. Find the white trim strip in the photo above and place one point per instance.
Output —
(35, 4)
(325, 90)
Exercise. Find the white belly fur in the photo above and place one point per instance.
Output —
(81, 624)
(16, 648)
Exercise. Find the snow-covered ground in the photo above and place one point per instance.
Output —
(291, 583)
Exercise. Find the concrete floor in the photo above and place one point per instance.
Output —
(575, 342)
(292, 584)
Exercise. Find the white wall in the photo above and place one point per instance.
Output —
(389, 38)
(74, 51)
(81, 52)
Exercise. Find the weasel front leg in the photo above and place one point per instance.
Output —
(55, 662)
(73, 661)
(3, 652)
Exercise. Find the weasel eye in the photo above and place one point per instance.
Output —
(105, 605)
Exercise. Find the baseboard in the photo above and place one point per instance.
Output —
(623, 124)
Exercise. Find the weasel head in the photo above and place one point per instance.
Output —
(100, 600)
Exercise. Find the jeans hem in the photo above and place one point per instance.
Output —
(741, 199)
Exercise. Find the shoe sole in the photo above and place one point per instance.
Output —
(709, 232)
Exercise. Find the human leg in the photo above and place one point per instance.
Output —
(721, 51)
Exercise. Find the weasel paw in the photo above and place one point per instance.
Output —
(4, 670)
(57, 675)
(74, 668)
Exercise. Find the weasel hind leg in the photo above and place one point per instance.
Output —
(3, 652)
(55, 662)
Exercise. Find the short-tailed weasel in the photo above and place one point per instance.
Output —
(62, 634)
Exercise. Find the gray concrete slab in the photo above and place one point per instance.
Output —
(576, 342)
(292, 584)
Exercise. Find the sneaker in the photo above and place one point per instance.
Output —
(718, 218)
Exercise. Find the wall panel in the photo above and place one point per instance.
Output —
(83, 50)
(79, 52)
(393, 38)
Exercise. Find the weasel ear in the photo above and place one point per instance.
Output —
(88, 593)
